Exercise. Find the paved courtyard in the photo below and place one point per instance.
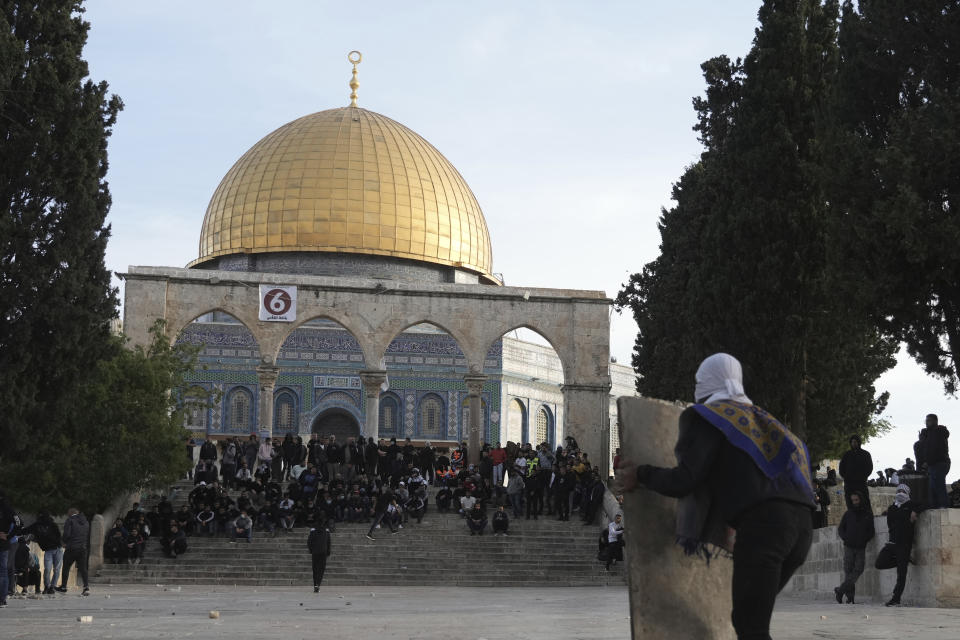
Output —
(162, 611)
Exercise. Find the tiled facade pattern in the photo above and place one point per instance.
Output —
(320, 372)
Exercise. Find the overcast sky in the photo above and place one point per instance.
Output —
(569, 120)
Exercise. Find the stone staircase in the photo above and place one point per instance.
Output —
(440, 550)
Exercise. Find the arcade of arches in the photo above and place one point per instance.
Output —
(390, 320)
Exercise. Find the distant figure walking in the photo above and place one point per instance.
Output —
(318, 542)
(856, 530)
(856, 467)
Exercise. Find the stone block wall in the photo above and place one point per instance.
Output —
(671, 595)
(933, 581)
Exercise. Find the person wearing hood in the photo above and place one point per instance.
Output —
(901, 519)
(856, 465)
(856, 530)
(46, 533)
(76, 534)
(737, 468)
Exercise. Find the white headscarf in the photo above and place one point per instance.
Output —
(720, 377)
(903, 494)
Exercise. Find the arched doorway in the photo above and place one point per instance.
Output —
(336, 422)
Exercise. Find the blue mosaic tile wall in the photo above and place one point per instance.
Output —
(320, 368)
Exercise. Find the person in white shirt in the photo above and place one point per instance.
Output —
(615, 541)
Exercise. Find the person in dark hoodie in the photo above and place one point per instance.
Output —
(856, 530)
(737, 467)
(901, 518)
(76, 534)
(856, 466)
(937, 451)
(318, 542)
(46, 533)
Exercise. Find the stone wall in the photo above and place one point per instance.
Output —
(671, 595)
(933, 581)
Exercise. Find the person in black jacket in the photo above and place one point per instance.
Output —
(856, 530)
(380, 513)
(822, 514)
(856, 466)
(46, 533)
(318, 542)
(76, 534)
(937, 453)
(725, 478)
(901, 518)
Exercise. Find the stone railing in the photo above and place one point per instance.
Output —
(933, 581)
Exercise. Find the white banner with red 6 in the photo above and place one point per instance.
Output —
(278, 304)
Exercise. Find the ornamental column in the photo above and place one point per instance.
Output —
(267, 377)
(372, 380)
(586, 417)
(474, 382)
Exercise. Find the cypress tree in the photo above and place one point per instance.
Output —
(55, 293)
(745, 266)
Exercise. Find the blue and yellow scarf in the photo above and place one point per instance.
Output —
(775, 450)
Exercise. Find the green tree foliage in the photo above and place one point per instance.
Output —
(56, 301)
(127, 435)
(84, 418)
(745, 266)
(896, 177)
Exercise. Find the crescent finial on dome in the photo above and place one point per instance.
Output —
(354, 57)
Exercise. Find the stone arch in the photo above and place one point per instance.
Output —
(182, 330)
(370, 355)
(337, 403)
(566, 367)
(321, 333)
(393, 330)
(182, 317)
(336, 422)
(405, 350)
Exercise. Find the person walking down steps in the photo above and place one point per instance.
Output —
(318, 542)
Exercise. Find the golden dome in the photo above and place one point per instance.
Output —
(347, 180)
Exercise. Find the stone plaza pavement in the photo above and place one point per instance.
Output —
(164, 611)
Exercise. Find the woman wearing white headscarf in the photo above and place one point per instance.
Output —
(738, 469)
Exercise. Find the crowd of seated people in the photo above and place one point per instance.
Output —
(286, 484)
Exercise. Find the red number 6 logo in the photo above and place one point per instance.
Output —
(277, 301)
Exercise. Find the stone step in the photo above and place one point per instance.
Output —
(542, 552)
(609, 580)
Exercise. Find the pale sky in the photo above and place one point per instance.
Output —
(569, 120)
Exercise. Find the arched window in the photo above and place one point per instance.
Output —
(195, 405)
(240, 404)
(389, 416)
(285, 412)
(432, 424)
(543, 426)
